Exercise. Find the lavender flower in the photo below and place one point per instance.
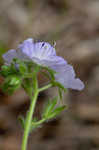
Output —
(44, 54)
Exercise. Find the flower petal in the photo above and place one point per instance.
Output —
(44, 50)
(52, 62)
(66, 76)
(9, 56)
(76, 84)
(26, 49)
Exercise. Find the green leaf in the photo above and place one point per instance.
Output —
(49, 107)
(22, 121)
(56, 112)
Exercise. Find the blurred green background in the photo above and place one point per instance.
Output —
(74, 25)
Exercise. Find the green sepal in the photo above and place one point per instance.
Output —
(11, 84)
(8, 70)
(58, 84)
(60, 92)
(5, 70)
(32, 66)
(60, 87)
(20, 66)
(51, 73)
(15, 80)
(45, 74)
(26, 84)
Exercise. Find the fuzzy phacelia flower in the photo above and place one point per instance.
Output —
(44, 54)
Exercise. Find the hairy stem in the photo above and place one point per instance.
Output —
(28, 120)
(45, 87)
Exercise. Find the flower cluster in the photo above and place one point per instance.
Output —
(44, 54)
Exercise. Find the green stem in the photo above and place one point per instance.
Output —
(39, 122)
(28, 121)
(45, 87)
(30, 114)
